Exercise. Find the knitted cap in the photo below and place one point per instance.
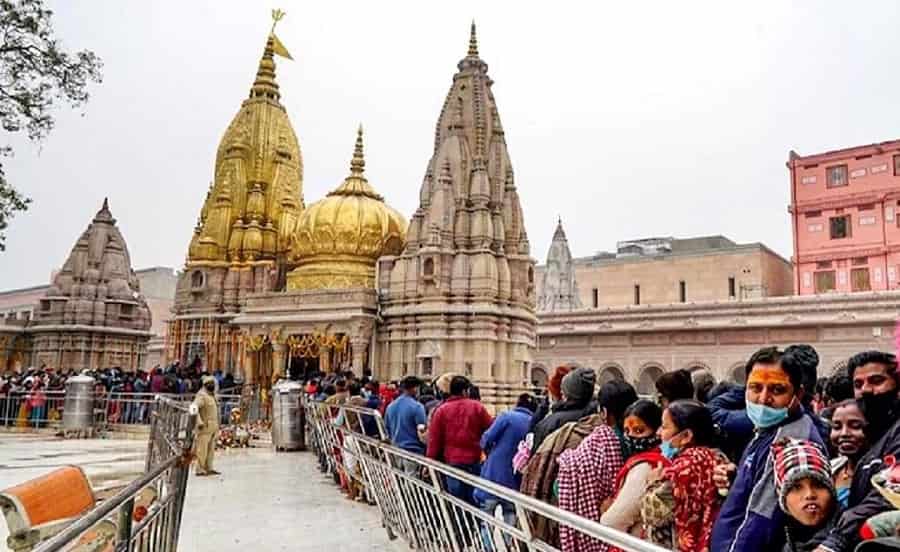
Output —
(794, 460)
(578, 385)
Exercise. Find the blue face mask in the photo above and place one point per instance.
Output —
(668, 449)
(843, 496)
(765, 416)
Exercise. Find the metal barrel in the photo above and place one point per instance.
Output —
(78, 411)
(287, 416)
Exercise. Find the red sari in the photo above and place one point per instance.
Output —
(696, 498)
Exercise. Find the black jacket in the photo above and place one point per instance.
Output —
(560, 414)
(865, 500)
(803, 539)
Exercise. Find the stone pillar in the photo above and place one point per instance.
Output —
(250, 366)
(278, 370)
(359, 348)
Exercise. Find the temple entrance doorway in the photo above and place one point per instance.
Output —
(302, 368)
(318, 352)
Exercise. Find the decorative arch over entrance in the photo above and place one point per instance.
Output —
(650, 372)
(539, 376)
(738, 373)
(609, 372)
(696, 366)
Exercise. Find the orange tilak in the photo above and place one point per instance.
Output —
(768, 376)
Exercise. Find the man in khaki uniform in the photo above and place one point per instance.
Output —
(207, 426)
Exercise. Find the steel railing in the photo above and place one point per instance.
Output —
(411, 493)
(155, 526)
(45, 409)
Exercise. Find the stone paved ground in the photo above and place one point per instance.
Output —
(263, 500)
(268, 501)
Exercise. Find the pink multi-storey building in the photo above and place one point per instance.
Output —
(845, 210)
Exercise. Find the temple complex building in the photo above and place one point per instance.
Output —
(655, 271)
(558, 290)
(717, 332)
(460, 297)
(272, 286)
(844, 212)
(92, 315)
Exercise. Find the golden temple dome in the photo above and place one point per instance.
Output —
(339, 238)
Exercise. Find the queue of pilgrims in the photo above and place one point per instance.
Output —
(785, 462)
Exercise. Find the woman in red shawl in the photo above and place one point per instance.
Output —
(681, 506)
(642, 456)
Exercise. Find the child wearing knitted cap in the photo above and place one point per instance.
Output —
(805, 492)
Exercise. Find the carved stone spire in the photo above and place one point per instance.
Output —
(466, 244)
(559, 289)
(473, 41)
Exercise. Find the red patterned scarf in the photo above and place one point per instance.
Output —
(696, 499)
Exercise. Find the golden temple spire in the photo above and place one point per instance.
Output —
(356, 183)
(265, 86)
(473, 41)
(358, 163)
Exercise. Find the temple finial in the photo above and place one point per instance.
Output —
(473, 41)
(277, 15)
(105, 204)
(358, 163)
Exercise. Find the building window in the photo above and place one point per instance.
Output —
(637, 294)
(825, 281)
(731, 288)
(428, 269)
(426, 366)
(836, 176)
(859, 261)
(897, 165)
(595, 296)
(197, 279)
(682, 291)
(493, 370)
(405, 369)
(468, 373)
(840, 227)
(859, 280)
(823, 264)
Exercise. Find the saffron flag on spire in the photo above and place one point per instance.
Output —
(279, 49)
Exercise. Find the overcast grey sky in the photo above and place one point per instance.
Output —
(628, 119)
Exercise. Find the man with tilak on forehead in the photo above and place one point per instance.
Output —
(751, 519)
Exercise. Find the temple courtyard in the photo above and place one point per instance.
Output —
(262, 500)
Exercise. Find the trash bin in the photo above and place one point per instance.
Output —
(287, 416)
(78, 409)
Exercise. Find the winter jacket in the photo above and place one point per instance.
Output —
(560, 414)
(804, 539)
(728, 412)
(865, 500)
(750, 519)
(500, 443)
(454, 434)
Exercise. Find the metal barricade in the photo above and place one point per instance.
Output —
(410, 491)
(44, 409)
(32, 409)
(146, 515)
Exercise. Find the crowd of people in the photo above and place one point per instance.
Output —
(783, 463)
(36, 396)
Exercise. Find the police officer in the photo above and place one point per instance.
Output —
(207, 426)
